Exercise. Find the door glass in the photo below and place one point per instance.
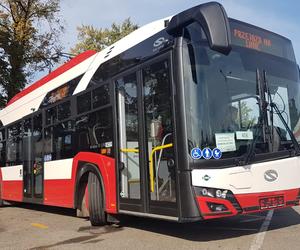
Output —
(159, 128)
(27, 168)
(37, 144)
(129, 137)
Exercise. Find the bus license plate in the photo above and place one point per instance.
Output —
(271, 202)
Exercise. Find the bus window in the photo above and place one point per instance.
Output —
(14, 145)
(37, 144)
(129, 136)
(64, 110)
(101, 96)
(51, 115)
(159, 127)
(58, 141)
(2, 135)
(94, 132)
(2, 148)
(62, 135)
(2, 154)
(84, 103)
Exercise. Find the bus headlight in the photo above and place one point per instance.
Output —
(212, 192)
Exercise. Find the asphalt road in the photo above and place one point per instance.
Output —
(38, 227)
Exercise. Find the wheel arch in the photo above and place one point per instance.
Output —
(104, 168)
(83, 170)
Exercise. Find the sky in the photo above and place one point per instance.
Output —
(282, 17)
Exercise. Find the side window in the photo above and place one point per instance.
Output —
(2, 148)
(64, 110)
(157, 99)
(2, 134)
(2, 153)
(84, 103)
(100, 96)
(94, 132)
(61, 92)
(51, 115)
(37, 134)
(26, 140)
(159, 127)
(14, 145)
(58, 141)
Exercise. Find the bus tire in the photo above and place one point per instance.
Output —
(96, 201)
(1, 203)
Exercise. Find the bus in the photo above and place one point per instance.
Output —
(188, 118)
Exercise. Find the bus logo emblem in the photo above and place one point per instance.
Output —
(160, 41)
(271, 175)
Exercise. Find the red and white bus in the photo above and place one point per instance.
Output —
(190, 117)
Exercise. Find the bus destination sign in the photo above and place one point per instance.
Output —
(251, 37)
(252, 41)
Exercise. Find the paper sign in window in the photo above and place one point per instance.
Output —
(225, 142)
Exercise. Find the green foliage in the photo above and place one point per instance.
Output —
(29, 32)
(92, 38)
(247, 119)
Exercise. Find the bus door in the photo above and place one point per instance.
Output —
(158, 127)
(32, 144)
(130, 164)
(146, 151)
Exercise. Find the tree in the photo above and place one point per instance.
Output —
(97, 39)
(29, 32)
(247, 115)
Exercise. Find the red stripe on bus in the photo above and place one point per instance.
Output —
(59, 193)
(62, 69)
(245, 201)
(12, 190)
(208, 214)
(0, 183)
(252, 200)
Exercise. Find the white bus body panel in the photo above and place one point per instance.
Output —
(250, 178)
(58, 170)
(12, 173)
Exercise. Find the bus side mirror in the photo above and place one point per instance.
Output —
(214, 21)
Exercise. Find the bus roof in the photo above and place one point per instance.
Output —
(60, 70)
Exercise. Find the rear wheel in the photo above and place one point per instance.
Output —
(96, 201)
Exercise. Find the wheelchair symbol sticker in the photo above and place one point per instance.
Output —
(196, 153)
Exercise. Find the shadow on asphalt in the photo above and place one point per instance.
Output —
(217, 229)
(46, 209)
(210, 230)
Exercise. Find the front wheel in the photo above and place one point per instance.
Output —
(96, 201)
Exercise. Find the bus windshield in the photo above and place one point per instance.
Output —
(222, 99)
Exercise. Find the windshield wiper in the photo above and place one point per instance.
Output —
(250, 154)
(274, 106)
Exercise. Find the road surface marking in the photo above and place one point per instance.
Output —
(258, 241)
(38, 225)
